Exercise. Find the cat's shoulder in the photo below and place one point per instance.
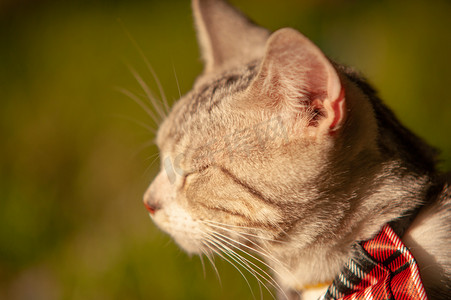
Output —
(429, 240)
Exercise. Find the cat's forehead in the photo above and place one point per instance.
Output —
(240, 75)
(201, 112)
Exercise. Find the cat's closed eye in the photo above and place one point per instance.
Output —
(193, 173)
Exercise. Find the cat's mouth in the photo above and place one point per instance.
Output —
(179, 224)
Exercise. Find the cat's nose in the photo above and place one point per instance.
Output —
(151, 207)
(150, 202)
(158, 190)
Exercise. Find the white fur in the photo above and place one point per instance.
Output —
(172, 217)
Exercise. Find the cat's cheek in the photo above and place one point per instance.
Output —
(178, 223)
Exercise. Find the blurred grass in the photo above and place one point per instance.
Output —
(73, 169)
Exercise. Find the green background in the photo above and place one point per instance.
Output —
(74, 161)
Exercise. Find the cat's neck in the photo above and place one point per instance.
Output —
(387, 176)
(398, 193)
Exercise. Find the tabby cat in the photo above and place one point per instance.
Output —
(281, 152)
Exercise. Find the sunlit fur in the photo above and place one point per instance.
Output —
(250, 174)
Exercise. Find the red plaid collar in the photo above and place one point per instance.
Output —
(382, 268)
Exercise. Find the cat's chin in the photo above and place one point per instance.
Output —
(190, 247)
(190, 242)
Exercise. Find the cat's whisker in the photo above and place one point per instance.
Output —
(177, 81)
(242, 257)
(219, 225)
(219, 253)
(149, 67)
(281, 229)
(258, 273)
(243, 235)
(223, 225)
(230, 225)
(155, 156)
(148, 93)
(149, 167)
(229, 252)
(203, 264)
(211, 260)
(262, 252)
(157, 81)
(230, 242)
(138, 101)
(143, 147)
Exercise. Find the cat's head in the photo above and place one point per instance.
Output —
(246, 154)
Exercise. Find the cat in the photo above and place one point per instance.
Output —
(281, 152)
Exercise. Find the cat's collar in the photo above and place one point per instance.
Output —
(381, 268)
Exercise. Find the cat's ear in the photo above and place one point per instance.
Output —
(225, 35)
(295, 76)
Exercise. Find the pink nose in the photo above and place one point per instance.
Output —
(151, 208)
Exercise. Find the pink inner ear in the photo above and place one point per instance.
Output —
(338, 109)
